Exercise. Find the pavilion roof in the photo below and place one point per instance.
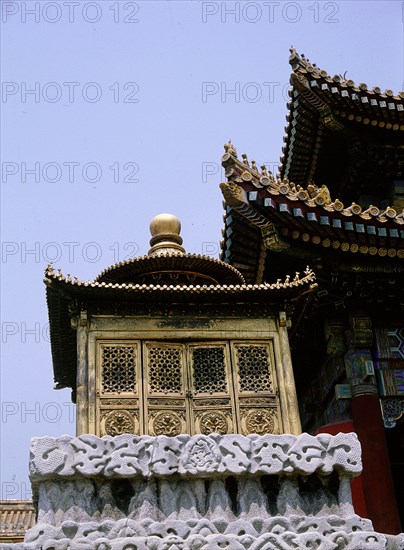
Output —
(144, 269)
(67, 297)
(341, 133)
(256, 202)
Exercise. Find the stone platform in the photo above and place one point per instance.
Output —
(201, 492)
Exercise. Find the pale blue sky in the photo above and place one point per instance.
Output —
(162, 125)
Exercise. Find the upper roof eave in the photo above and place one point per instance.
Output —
(312, 196)
(301, 65)
(334, 105)
(263, 200)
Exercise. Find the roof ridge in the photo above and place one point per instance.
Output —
(313, 196)
(151, 259)
(300, 62)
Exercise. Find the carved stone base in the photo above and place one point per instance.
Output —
(255, 533)
(200, 493)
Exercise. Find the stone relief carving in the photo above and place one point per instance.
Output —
(199, 455)
(90, 455)
(283, 533)
(198, 493)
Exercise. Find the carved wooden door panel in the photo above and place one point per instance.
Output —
(256, 387)
(165, 388)
(188, 388)
(168, 388)
(211, 393)
(118, 388)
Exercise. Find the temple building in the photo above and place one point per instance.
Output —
(188, 425)
(230, 403)
(336, 205)
(174, 343)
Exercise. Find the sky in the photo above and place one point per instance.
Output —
(115, 111)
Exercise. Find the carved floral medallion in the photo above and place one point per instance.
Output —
(214, 422)
(259, 421)
(119, 422)
(167, 423)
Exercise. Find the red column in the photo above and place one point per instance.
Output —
(376, 477)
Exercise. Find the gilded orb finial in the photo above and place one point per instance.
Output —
(165, 223)
(165, 230)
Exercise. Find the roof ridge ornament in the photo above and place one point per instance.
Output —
(237, 173)
(165, 230)
(230, 149)
(301, 65)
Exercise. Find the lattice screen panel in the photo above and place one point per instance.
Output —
(165, 370)
(209, 370)
(118, 369)
(254, 368)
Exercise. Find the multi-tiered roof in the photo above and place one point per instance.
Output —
(339, 193)
(342, 134)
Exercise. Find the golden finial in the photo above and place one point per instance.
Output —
(254, 165)
(165, 230)
(245, 159)
(264, 170)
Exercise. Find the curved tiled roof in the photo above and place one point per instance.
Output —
(322, 109)
(67, 296)
(301, 64)
(208, 269)
(308, 214)
(310, 195)
(130, 288)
